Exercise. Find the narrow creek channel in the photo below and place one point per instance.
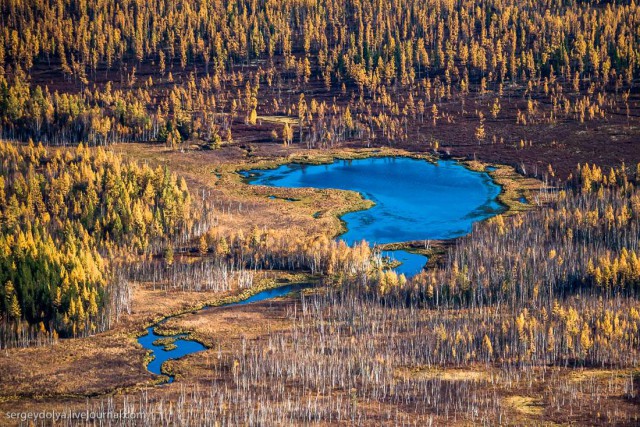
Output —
(180, 345)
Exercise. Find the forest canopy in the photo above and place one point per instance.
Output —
(66, 216)
(72, 70)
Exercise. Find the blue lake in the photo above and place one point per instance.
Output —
(414, 199)
(411, 263)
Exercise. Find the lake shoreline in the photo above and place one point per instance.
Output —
(517, 192)
(167, 376)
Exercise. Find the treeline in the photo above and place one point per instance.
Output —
(201, 109)
(386, 41)
(64, 216)
(220, 262)
(586, 241)
(287, 250)
(102, 115)
(548, 62)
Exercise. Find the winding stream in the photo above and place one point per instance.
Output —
(184, 345)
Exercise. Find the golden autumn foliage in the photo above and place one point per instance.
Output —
(64, 214)
(570, 60)
(565, 279)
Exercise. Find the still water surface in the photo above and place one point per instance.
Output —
(414, 199)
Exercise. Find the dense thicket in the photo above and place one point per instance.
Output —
(65, 218)
(225, 262)
(372, 38)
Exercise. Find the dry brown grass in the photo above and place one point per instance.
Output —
(79, 367)
(281, 120)
(227, 330)
(525, 405)
(312, 212)
(76, 368)
(220, 326)
(109, 361)
(451, 374)
(240, 206)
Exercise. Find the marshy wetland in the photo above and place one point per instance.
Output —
(282, 213)
(413, 200)
(370, 348)
(171, 347)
